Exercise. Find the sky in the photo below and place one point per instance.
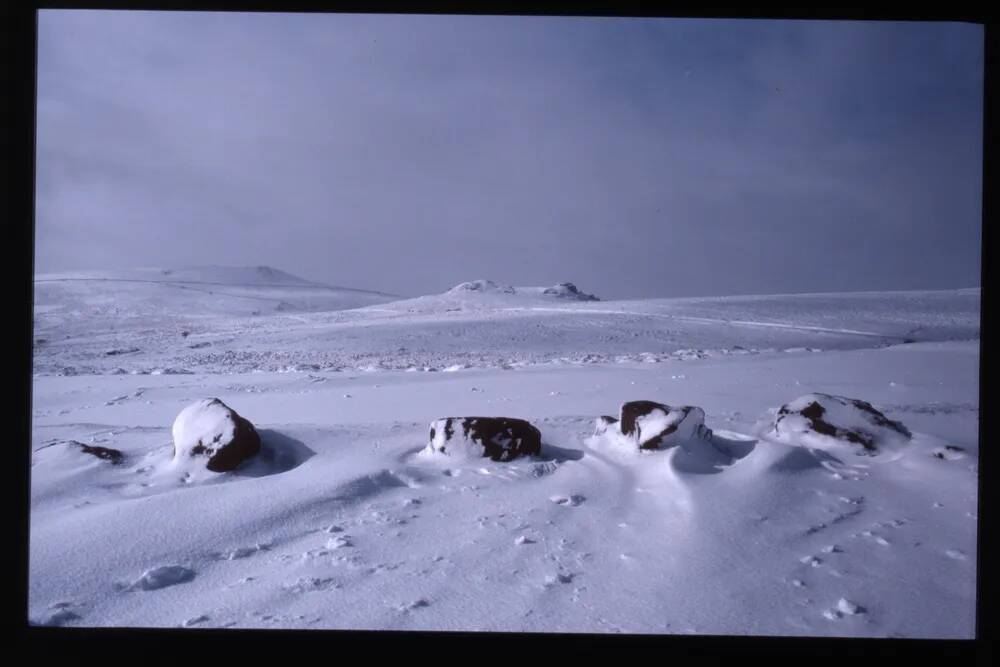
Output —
(408, 153)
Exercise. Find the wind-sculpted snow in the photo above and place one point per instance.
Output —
(342, 522)
(143, 330)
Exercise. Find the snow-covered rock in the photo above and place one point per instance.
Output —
(838, 424)
(499, 438)
(652, 425)
(485, 286)
(211, 429)
(568, 291)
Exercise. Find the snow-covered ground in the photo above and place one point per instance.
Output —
(343, 522)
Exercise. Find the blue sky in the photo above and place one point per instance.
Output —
(634, 157)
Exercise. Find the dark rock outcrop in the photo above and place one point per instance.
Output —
(114, 456)
(498, 438)
(568, 291)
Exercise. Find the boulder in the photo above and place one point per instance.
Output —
(212, 430)
(652, 425)
(482, 286)
(498, 438)
(838, 424)
(568, 291)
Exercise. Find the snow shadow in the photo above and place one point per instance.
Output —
(559, 454)
(736, 448)
(799, 459)
(710, 457)
(362, 488)
(278, 453)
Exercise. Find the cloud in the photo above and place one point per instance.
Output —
(635, 157)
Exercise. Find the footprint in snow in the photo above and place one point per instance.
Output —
(60, 613)
(561, 578)
(844, 608)
(411, 606)
(241, 552)
(161, 577)
(571, 501)
(955, 554)
(339, 542)
(195, 621)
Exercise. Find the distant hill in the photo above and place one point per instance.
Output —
(107, 300)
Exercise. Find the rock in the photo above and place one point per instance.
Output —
(652, 425)
(113, 456)
(481, 286)
(499, 438)
(568, 291)
(838, 423)
(209, 428)
(104, 453)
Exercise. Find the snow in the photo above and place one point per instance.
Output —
(458, 446)
(683, 424)
(208, 420)
(342, 522)
(481, 286)
(840, 425)
(161, 577)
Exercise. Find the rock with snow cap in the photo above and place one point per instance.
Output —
(212, 430)
(838, 424)
(652, 425)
